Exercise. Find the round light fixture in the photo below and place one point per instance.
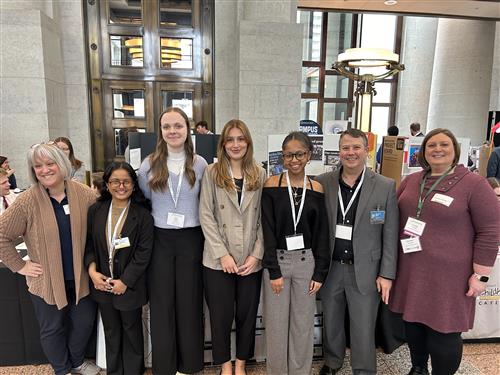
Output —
(390, 2)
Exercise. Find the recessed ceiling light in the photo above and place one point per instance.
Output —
(390, 2)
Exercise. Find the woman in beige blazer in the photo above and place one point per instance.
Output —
(230, 219)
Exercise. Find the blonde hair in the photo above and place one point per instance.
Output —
(49, 151)
(158, 159)
(250, 169)
(3, 172)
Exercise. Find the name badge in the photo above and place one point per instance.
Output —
(411, 245)
(377, 217)
(295, 242)
(66, 209)
(414, 227)
(443, 199)
(175, 220)
(121, 243)
(343, 232)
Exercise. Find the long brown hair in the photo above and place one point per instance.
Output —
(250, 169)
(75, 163)
(158, 159)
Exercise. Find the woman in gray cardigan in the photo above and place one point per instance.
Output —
(230, 219)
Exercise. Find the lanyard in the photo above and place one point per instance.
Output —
(351, 201)
(296, 219)
(421, 199)
(242, 186)
(175, 197)
(112, 235)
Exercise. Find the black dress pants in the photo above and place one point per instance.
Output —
(445, 349)
(64, 333)
(228, 295)
(175, 284)
(124, 340)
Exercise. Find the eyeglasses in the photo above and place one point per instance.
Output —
(300, 155)
(117, 183)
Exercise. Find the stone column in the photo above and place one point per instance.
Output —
(43, 79)
(414, 86)
(461, 78)
(495, 73)
(263, 90)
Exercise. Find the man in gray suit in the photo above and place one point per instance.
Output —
(364, 222)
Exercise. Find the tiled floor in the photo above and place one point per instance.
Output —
(478, 359)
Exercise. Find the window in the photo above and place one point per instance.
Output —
(328, 97)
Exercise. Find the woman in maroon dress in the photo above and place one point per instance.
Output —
(449, 231)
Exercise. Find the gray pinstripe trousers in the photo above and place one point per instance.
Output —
(289, 316)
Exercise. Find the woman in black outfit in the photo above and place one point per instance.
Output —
(118, 249)
(296, 259)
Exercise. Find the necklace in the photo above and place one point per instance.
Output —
(296, 196)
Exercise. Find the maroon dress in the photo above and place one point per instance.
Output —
(430, 285)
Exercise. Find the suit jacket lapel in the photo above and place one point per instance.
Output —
(247, 198)
(364, 196)
(101, 221)
(130, 221)
(334, 200)
(233, 197)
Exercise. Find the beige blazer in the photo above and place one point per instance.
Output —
(229, 229)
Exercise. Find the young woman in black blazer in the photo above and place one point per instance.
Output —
(118, 250)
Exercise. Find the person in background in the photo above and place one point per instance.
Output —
(391, 131)
(415, 130)
(117, 253)
(230, 218)
(495, 185)
(296, 259)
(97, 183)
(77, 167)
(171, 178)
(449, 229)
(51, 216)
(202, 128)
(363, 215)
(493, 168)
(6, 196)
(4, 163)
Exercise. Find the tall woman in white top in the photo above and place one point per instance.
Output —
(230, 218)
(170, 177)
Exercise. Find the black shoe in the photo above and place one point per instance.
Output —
(325, 370)
(417, 370)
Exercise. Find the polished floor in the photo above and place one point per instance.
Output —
(478, 359)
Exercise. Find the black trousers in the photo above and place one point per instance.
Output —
(64, 333)
(175, 286)
(228, 295)
(445, 349)
(124, 340)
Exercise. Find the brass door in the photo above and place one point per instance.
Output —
(145, 55)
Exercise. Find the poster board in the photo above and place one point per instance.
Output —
(393, 155)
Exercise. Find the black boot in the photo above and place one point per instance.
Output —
(417, 370)
(326, 370)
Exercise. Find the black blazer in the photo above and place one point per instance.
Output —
(130, 263)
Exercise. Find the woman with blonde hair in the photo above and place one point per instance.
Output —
(77, 168)
(171, 177)
(51, 216)
(230, 218)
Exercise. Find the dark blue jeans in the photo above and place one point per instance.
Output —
(64, 333)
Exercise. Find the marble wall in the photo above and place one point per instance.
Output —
(43, 78)
(258, 67)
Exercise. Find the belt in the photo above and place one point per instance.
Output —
(343, 261)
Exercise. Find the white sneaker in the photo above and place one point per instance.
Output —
(86, 368)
